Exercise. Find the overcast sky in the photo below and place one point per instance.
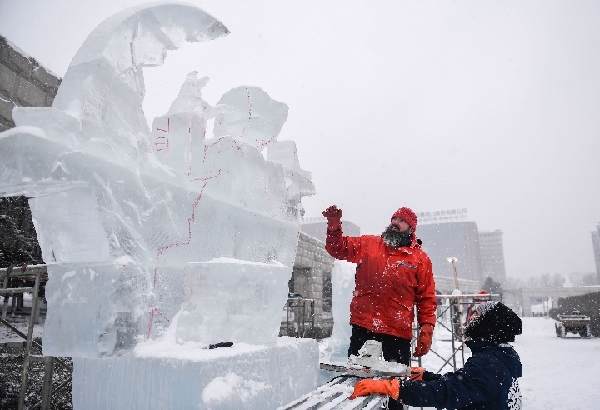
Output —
(493, 106)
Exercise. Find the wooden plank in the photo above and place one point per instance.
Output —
(10, 291)
(13, 344)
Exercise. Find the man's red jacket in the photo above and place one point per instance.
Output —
(389, 283)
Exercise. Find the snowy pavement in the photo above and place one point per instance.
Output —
(557, 373)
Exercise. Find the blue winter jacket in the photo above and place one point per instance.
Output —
(488, 380)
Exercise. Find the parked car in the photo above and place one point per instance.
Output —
(576, 322)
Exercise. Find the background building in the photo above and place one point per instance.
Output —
(310, 291)
(452, 239)
(492, 256)
(596, 246)
(23, 83)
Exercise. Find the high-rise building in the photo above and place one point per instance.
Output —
(596, 246)
(492, 256)
(452, 239)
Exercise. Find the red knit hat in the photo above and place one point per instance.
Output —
(408, 215)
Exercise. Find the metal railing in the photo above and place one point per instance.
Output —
(35, 274)
(451, 317)
(299, 319)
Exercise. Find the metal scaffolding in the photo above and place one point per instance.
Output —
(451, 317)
(299, 319)
(33, 275)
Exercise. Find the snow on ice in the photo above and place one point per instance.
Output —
(230, 385)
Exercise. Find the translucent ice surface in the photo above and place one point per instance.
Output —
(98, 309)
(298, 181)
(125, 214)
(178, 136)
(251, 117)
(342, 283)
(231, 301)
(72, 226)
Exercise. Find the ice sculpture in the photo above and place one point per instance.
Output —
(141, 226)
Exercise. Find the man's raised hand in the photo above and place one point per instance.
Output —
(333, 215)
(333, 212)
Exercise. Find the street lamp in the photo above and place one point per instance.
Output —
(453, 260)
(456, 292)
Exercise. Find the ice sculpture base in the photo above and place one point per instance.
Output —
(239, 377)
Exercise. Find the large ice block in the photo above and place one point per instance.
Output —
(231, 301)
(95, 310)
(237, 377)
(69, 226)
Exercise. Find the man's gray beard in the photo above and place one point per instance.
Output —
(396, 239)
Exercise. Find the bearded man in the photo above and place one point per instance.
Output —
(393, 278)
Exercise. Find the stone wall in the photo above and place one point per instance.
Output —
(23, 82)
(312, 280)
(18, 239)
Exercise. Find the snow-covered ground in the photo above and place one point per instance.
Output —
(557, 373)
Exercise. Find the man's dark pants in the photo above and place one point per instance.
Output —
(395, 349)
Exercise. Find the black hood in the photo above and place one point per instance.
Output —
(497, 323)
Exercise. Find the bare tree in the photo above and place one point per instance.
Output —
(513, 283)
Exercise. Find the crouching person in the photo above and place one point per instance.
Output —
(488, 379)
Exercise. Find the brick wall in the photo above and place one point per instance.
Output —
(312, 279)
(23, 82)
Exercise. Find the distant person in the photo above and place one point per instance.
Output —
(477, 300)
(488, 380)
(393, 276)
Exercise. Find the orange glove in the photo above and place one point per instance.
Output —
(416, 374)
(424, 341)
(369, 386)
(333, 215)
